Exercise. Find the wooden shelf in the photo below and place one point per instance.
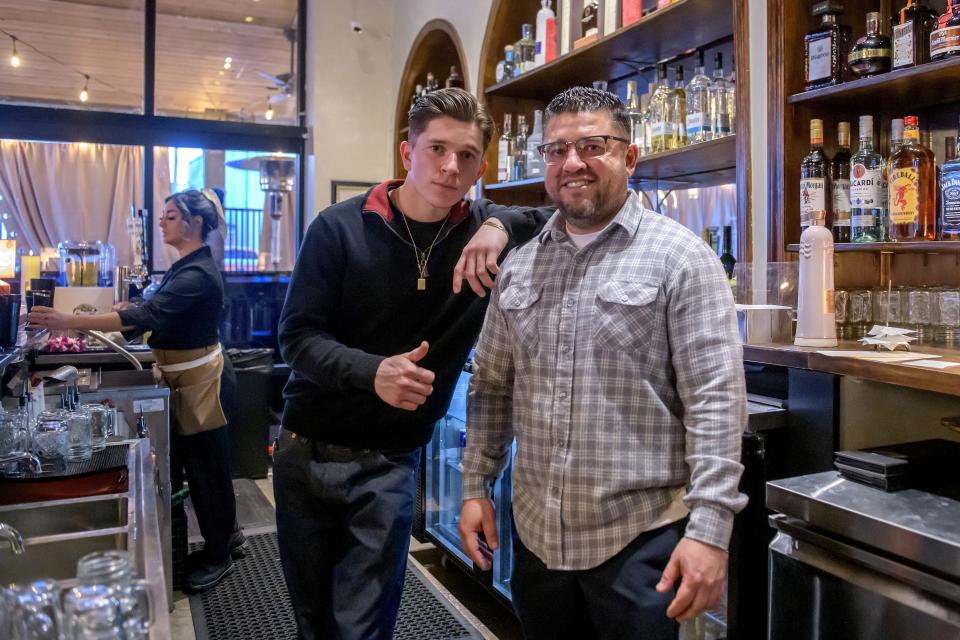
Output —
(909, 89)
(704, 164)
(945, 246)
(677, 29)
(530, 184)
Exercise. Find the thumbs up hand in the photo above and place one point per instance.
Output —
(401, 383)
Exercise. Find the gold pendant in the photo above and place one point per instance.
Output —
(421, 284)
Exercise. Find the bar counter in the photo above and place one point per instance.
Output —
(902, 374)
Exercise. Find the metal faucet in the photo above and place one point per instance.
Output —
(23, 456)
(12, 536)
(114, 347)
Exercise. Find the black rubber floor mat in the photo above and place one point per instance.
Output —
(252, 603)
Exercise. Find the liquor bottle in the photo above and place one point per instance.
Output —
(519, 169)
(524, 49)
(871, 53)
(540, 42)
(634, 114)
(868, 198)
(950, 194)
(896, 135)
(535, 166)
(679, 109)
(505, 150)
(726, 258)
(454, 80)
(588, 20)
(699, 121)
(813, 177)
(432, 83)
(912, 189)
(721, 91)
(840, 185)
(826, 47)
(416, 94)
(645, 114)
(911, 34)
(945, 39)
(662, 131)
(732, 94)
(509, 66)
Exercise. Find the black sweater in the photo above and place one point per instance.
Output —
(353, 301)
(185, 311)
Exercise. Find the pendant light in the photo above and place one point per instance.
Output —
(84, 94)
(14, 58)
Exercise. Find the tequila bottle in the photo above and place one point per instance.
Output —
(635, 115)
(699, 121)
(720, 99)
(867, 188)
(813, 178)
(662, 129)
(535, 167)
(840, 185)
(678, 110)
(525, 49)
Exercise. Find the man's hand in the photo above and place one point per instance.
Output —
(479, 516)
(49, 318)
(703, 569)
(401, 383)
(479, 260)
(123, 306)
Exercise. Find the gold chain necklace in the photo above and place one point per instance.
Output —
(422, 257)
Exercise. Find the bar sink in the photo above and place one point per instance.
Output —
(74, 515)
(56, 556)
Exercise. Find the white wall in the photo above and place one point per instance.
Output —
(351, 95)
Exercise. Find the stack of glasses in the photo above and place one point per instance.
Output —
(932, 312)
(107, 601)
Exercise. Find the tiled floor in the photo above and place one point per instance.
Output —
(469, 597)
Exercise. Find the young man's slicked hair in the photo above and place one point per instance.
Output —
(579, 99)
(453, 103)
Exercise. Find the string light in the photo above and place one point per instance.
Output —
(84, 94)
(269, 112)
(227, 62)
(14, 59)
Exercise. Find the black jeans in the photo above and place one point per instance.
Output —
(616, 600)
(204, 459)
(343, 525)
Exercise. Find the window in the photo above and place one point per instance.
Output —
(71, 53)
(227, 60)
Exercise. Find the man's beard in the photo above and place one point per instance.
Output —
(586, 213)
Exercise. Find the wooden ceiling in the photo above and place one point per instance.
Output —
(104, 39)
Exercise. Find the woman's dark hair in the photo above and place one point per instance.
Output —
(195, 203)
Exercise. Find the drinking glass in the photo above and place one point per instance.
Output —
(91, 612)
(50, 436)
(80, 435)
(886, 307)
(36, 611)
(99, 425)
(841, 306)
(861, 311)
(947, 314)
(114, 571)
(916, 312)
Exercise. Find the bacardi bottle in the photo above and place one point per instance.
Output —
(912, 190)
(868, 196)
(840, 185)
(813, 178)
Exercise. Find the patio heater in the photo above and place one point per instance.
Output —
(277, 174)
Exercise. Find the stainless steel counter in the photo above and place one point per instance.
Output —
(915, 525)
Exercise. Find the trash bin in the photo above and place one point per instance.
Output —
(252, 416)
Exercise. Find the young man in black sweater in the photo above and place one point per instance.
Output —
(376, 340)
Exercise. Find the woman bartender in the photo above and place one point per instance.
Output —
(183, 317)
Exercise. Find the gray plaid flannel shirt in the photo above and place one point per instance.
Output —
(618, 368)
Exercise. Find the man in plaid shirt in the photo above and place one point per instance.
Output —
(610, 352)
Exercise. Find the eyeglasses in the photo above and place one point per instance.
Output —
(587, 148)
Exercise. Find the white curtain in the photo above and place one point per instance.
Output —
(698, 208)
(78, 191)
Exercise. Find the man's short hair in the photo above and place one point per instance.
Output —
(579, 99)
(453, 103)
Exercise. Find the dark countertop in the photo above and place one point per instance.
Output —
(787, 355)
(919, 526)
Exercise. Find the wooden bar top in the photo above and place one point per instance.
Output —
(898, 373)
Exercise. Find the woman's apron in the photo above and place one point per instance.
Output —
(193, 376)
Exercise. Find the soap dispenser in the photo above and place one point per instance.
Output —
(816, 321)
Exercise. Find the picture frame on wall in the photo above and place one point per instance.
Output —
(341, 190)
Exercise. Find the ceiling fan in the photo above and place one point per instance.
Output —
(284, 84)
